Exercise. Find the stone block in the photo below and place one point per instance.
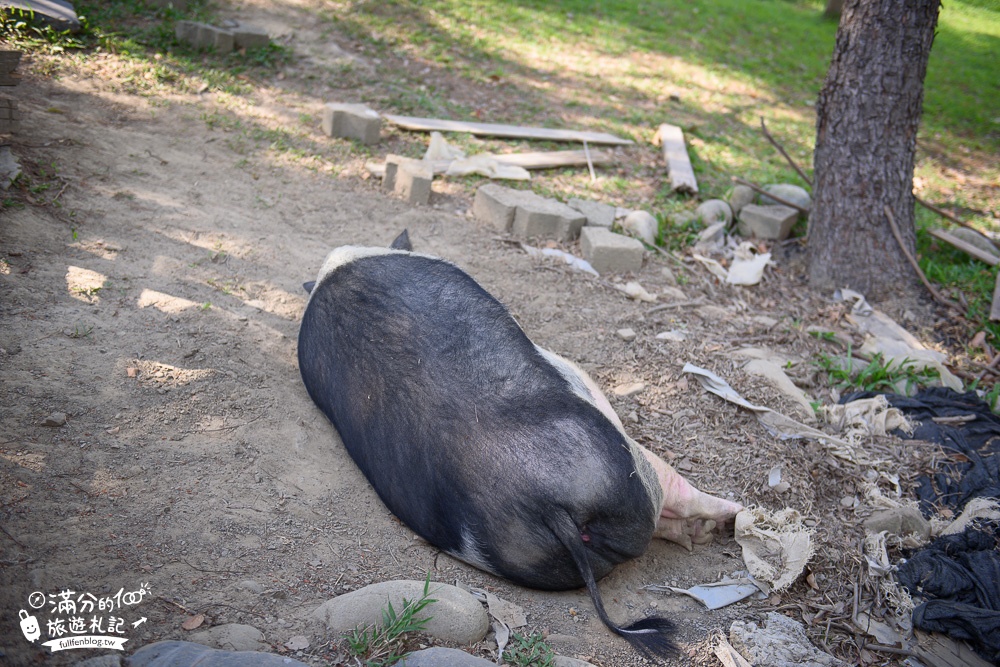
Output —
(352, 121)
(541, 218)
(608, 252)
(248, 36)
(186, 32)
(767, 222)
(597, 213)
(495, 205)
(223, 41)
(413, 182)
(392, 163)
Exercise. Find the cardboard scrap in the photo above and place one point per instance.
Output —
(776, 546)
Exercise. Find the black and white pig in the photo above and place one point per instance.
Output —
(498, 452)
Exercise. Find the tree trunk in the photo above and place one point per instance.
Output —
(866, 133)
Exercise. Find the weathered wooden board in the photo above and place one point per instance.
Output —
(965, 247)
(539, 160)
(554, 159)
(509, 131)
(678, 163)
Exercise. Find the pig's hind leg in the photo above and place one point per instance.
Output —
(688, 515)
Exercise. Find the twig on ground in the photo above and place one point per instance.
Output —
(783, 202)
(913, 262)
(676, 304)
(948, 216)
(785, 154)
(13, 539)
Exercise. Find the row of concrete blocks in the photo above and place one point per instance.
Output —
(10, 116)
(222, 40)
(529, 216)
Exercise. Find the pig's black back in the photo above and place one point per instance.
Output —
(465, 431)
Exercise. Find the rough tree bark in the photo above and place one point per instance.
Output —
(866, 132)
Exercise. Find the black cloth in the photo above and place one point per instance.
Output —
(956, 576)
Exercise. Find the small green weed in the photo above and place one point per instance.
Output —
(877, 375)
(381, 645)
(528, 651)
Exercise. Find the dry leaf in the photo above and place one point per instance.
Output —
(131, 371)
(193, 622)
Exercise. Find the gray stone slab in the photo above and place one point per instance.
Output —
(597, 213)
(495, 205)
(186, 654)
(443, 657)
(541, 218)
(608, 252)
(413, 183)
(455, 616)
(767, 222)
(352, 121)
(248, 36)
(56, 13)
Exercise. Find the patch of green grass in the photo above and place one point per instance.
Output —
(965, 280)
(877, 375)
(528, 651)
(384, 644)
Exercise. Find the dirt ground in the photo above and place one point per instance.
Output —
(156, 304)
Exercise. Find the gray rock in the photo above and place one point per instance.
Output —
(714, 210)
(740, 197)
(232, 637)
(782, 643)
(456, 616)
(443, 657)
(642, 225)
(767, 222)
(55, 419)
(59, 14)
(681, 218)
(597, 214)
(673, 336)
(565, 661)
(668, 276)
(627, 335)
(186, 654)
(112, 660)
(973, 237)
(10, 168)
(788, 192)
(250, 585)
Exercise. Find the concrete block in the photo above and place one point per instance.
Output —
(496, 205)
(767, 222)
(248, 36)
(413, 182)
(352, 121)
(392, 163)
(597, 214)
(541, 218)
(223, 41)
(5, 113)
(186, 32)
(608, 252)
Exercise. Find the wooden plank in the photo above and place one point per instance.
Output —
(968, 248)
(678, 164)
(995, 306)
(554, 159)
(509, 131)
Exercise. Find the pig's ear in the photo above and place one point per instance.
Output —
(402, 242)
(308, 287)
